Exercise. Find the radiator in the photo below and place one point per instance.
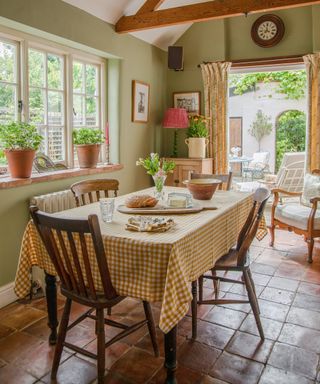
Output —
(54, 202)
(50, 203)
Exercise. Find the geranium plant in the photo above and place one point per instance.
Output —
(197, 126)
(156, 166)
(87, 136)
(19, 136)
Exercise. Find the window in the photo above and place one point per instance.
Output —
(9, 81)
(60, 90)
(47, 100)
(86, 98)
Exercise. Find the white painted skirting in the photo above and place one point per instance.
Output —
(7, 294)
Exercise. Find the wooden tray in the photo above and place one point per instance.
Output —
(162, 210)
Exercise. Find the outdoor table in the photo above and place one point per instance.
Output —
(240, 160)
(156, 267)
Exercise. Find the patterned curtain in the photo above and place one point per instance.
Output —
(312, 63)
(215, 80)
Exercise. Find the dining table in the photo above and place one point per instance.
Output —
(156, 267)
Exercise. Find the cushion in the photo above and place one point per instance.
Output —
(311, 189)
(296, 215)
(260, 157)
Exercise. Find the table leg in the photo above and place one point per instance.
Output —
(194, 309)
(51, 295)
(170, 346)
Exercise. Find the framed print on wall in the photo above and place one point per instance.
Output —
(188, 100)
(140, 101)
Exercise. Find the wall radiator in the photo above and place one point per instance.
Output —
(50, 203)
(54, 202)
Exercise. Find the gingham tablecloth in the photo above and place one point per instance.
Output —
(152, 266)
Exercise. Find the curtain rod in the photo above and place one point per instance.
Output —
(264, 61)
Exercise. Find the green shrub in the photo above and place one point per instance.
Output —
(16, 135)
(290, 134)
(87, 136)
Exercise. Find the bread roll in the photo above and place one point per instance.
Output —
(141, 201)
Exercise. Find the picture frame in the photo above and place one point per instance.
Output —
(188, 100)
(140, 101)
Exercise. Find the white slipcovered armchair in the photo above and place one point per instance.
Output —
(258, 165)
(302, 217)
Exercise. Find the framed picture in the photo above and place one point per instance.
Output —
(188, 100)
(140, 101)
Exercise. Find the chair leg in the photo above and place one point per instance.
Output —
(253, 287)
(271, 230)
(151, 327)
(216, 284)
(194, 309)
(253, 303)
(100, 345)
(61, 338)
(200, 281)
(310, 243)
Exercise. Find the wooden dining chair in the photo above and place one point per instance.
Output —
(225, 178)
(89, 191)
(237, 259)
(67, 243)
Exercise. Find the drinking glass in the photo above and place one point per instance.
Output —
(107, 208)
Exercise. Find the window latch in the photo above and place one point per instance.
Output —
(20, 106)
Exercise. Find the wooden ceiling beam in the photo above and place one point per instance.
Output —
(149, 6)
(200, 12)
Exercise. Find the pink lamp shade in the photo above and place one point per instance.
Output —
(175, 118)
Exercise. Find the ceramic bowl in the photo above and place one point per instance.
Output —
(202, 189)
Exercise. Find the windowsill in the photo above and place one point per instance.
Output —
(9, 182)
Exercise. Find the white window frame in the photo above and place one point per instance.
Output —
(25, 41)
(17, 83)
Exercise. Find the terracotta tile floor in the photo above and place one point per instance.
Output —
(228, 348)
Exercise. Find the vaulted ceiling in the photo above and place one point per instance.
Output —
(112, 10)
(162, 22)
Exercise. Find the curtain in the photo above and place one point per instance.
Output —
(215, 80)
(312, 63)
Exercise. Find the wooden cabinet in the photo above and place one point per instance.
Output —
(184, 166)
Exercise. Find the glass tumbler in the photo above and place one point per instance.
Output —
(107, 209)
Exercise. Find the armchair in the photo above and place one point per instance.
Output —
(303, 218)
(258, 166)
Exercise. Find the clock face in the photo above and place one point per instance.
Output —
(267, 30)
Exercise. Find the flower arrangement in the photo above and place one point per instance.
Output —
(158, 169)
(155, 166)
(197, 126)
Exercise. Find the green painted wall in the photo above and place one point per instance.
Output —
(140, 61)
(230, 39)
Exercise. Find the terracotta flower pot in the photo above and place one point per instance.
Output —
(20, 162)
(88, 155)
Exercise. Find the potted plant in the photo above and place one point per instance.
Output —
(20, 142)
(197, 136)
(88, 143)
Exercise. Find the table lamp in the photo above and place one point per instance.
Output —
(175, 118)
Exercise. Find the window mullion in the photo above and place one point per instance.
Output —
(24, 72)
(69, 109)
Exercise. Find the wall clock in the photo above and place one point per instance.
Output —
(267, 31)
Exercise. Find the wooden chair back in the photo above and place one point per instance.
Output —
(225, 178)
(89, 191)
(250, 227)
(66, 241)
(316, 172)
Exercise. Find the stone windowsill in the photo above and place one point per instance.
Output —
(9, 182)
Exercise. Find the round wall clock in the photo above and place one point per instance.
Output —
(267, 31)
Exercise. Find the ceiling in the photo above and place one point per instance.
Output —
(112, 10)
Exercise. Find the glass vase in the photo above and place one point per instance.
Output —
(159, 184)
